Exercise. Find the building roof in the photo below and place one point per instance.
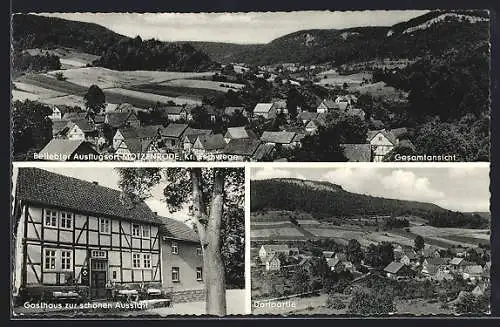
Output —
(308, 115)
(44, 187)
(277, 137)
(263, 151)
(197, 131)
(137, 145)
(473, 269)
(330, 104)
(356, 112)
(232, 110)
(276, 247)
(393, 267)
(118, 119)
(332, 262)
(437, 261)
(171, 110)
(243, 147)
(124, 107)
(174, 130)
(64, 147)
(270, 257)
(240, 132)
(357, 152)
(262, 107)
(74, 115)
(58, 125)
(175, 229)
(141, 132)
(456, 261)
(83, 124)
(211, 142)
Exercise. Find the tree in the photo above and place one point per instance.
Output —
(419, 243)
(322, 146)
(32, 127)
(469, 303)
(354, 252)
(380, 255)
(371, 302)
(293, 100)
(300, 281)
(201, 118)
(95, 100)
(215, 197)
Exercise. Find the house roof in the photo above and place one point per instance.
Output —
(211, 142)
(172, 228)
(393, 267)
(232, 110)
(118, 119)
(140, 132)
(64, 147)
(74, 115)
(244, 147)
(83, 124)
(371, 135)
(197, 131)
(174, 130)
(171, 110)
(240, 132)
(277, 137)
(437, 261)
(58, 125)
(356, 112)
(456, 261)
(276, 247)
(357, 152)
(328, 254)
(137, 145)
(308, 115)
(332, 262)
(330, 104)
(270, 257)
(125, 107)
(99, 119)
(473, 269)
(263, 151)
(262, 107)
(298, 137)
(44, 187)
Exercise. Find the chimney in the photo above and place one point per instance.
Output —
(95, 183)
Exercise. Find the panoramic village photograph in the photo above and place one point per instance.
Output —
(353, 86)
(127, 242)
(370, 241)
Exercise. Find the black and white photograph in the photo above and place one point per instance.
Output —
(127, 242)
(305, 86)
(370, 241)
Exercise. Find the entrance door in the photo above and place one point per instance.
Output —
(98, 278)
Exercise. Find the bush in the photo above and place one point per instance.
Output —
(371, 301)
(335, 302)
(60, 76)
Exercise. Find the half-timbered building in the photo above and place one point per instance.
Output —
(72, 233)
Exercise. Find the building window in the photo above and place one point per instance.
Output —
(147, 260)
(380, 138)
(199, 273)
(98, 265)
(136, 230)
(104, 226)
(66, 260)
(114, 274)
(175, 248)
(175, 274)
(145, 231)
(66, 220)
(136, 260)
(98, 254)
(51, 218)
(50, 260)
(198, 251)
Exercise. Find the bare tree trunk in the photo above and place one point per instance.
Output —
(209, 230)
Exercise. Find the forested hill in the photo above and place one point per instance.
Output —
(116, 51)
(324, 200)
(433, 33)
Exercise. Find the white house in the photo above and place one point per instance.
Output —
(266, 250)
(266, 110)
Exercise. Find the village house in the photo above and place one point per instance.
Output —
(66, 150)
(248, 150)
(307, 116)
(190, 135)
(265, 110)
(348, 99)
(174, 113)
(56, 113)
(383, 141)
(329, 105)
(78, 129)
(328, 254)
(430, 266)
(272, 262)
(80, 236)
(457, 264)
(409, 258)
(145, 133)
(356, 112)
(182, 261)
(236, 133)
(283, 138)
(172, 136)
(472, 272)
(459, 251)
(206, 145)
(122, 119)
(230, 111)
(397, 270)
(430, 252)
(268, 249)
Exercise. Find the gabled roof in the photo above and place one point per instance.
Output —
(308, 115)
(437, 261)
(263, 151)
(174, 130)
(44, 187)
(232, 110)
(473, 269)
(262, 107)
(210, 142)
(140, 132)
(65, 147)
(171, 228)
(83, 124)
(388, 135)
(118, 119)
(240, 132)
(277, 137)
(171, 110)
(243, 147)
(357, 152)
(328, 254)
(74, 115)
(197, 131)
(393, 267)
(332, 262)
(270, 257)
(137, 145)
(356, 112)
(456, 261)
(330, 104)
(58, 125)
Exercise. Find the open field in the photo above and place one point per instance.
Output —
(333, 78)
(203, 84)
(276, 233)
(279, 215)
(51, 83)
(420, 307)
(68, 100)
(107, 78)
(379, 89)
(36, 90)
(191, 93)
(143, 99)
(69, 58)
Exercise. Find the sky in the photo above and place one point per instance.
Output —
(253, 27)
(109, 177)
(463, 188)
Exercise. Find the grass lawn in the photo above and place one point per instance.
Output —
(175, 91)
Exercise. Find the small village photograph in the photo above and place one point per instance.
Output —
(370, 241)
(127, 242)
(306, 86)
